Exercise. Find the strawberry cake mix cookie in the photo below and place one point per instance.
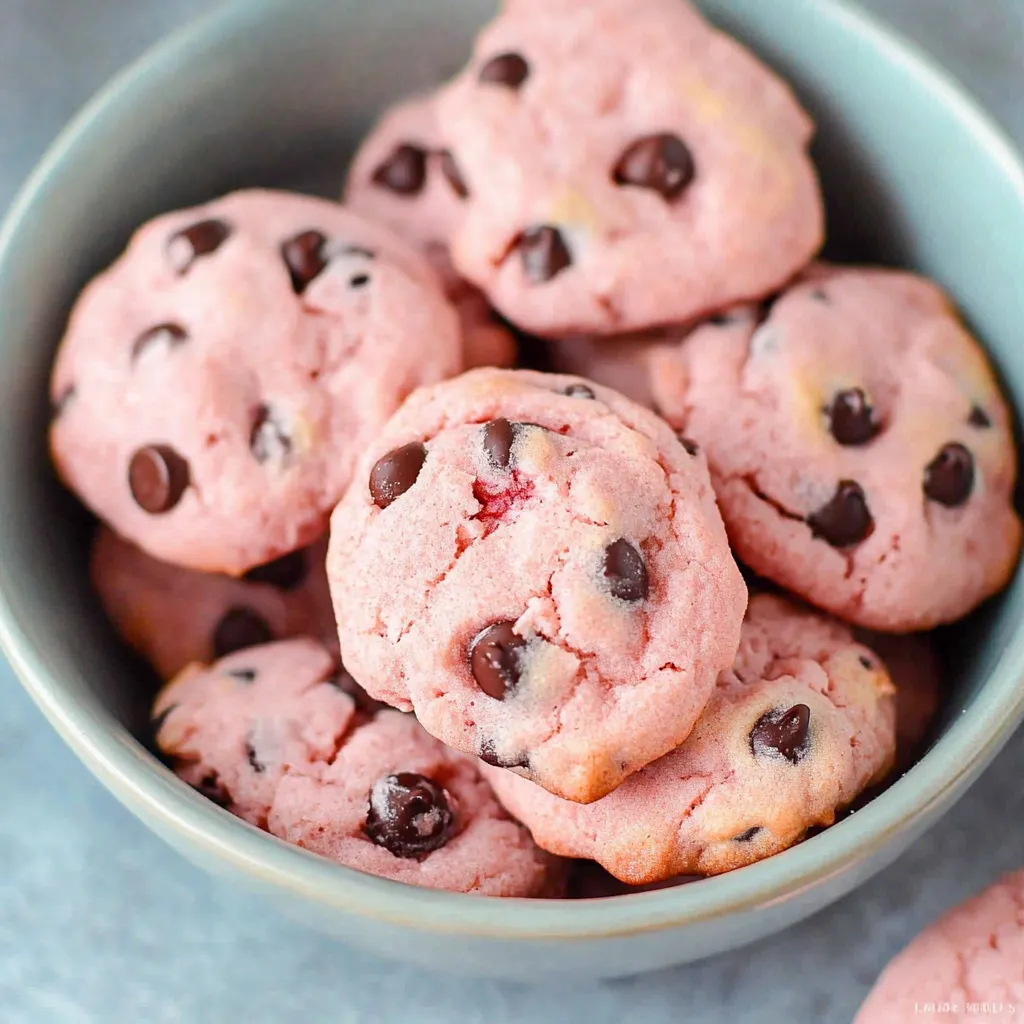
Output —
(624, 164)
(174, 616)
(217, 383)
(274, 735)
(796, 729)
(969, 965)
(536, 566)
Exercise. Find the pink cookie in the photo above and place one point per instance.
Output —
(625, 164)
(537, 567)
(802, 723)
(216, 384)
(273, 735)
(403, 177)
(174, 616)
(968, 966)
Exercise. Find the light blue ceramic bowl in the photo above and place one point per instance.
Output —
(276, 92)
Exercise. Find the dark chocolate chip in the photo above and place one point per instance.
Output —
(359, 280)
(394, 473)
(170, 335)
(844, 520)
(157, 478)
(543, 253)
(495, 659)
(404, 171)
(979, 418)
(343, 681)
(661, 162)
(158, 721)
(452, 174)
(189, 244)
(782, 732)
(285, 573)
(579, 391)
(866, 662)
(508, 69)
(499, 436)
(239, 628)
(244, 675)
(269, 439)
(949, 477)
(692, 448)
(409, 814)
(625, 571)
(490, 756)
(305, 257)
(62, 401)
(213, 789)
(747, 834)
(254, 762)
(819, 295)
(851, 419)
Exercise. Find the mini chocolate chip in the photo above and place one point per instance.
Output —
(499, 436)
(543, 252)
(625, 571)
(157, 478)
(170, 335)
(818, 294)
(358, 280)
(692, 448)
(237, 629)
(254, 762)
(452, 174)
(949, 477)
(579, 391)
(305, 257)
(851, 419)
(343, 681)
(394, 473)
(747, 835)
(495, 659)
(490, 756)
(157, 723)
(404, 171)
(979, 418)
(269, 440)
(409, 814)
(62, 401)
(189, 244)
(661, 162)
(508, 69)
(844, 520)
(782, 732)
(866, 662)
(213, 789)
(285, 573)
(244, 675)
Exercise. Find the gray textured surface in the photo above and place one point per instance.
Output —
(100, 922)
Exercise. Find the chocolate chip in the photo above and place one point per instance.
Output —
(866, 662)
(189, 244)
(169, 335)
(818, 294)
(244, 675)
(62, 401)
(949, 477)
(979, 418)
(508, 69)
(844, 520)
(396, 472)
(851, 419)
(579, 391)
(625, 571)
(490, 756)
(692, 448)
(499, 436)
(269, 439)
(305, 257)
(747, 835)
(452, 174)
(543, 253)
(782, 732)
(254, 762)
(157, 478)
(495, 659)
(213, 789)
(158, 721)
(409, 814)
(358, 280)
(404, 171)
(661, 162)
(343, 681)
(237, 629)
(285, 573)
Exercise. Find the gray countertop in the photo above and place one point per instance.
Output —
(99, 921)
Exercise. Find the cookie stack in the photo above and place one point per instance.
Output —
(488, 442)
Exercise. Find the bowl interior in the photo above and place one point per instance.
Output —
(279, 92)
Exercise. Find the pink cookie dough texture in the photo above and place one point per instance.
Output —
(859, 445)
(216, 384)
(796, 729)
(969, 965)
(398, 177)
(537, 567)
(626, 164)
(174, 616)
(273, 734)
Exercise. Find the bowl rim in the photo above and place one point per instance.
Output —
(153, 793)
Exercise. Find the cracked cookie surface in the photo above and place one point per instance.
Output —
(536, 566)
